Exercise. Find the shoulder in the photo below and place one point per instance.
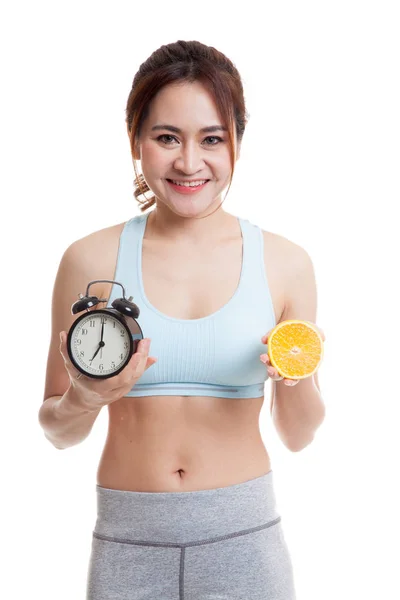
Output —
(297, 275)
(292, 254)
(86, 259)
(97, 241)
(94, 255)
(97, 244)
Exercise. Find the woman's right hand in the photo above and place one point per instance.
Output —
(96, 393)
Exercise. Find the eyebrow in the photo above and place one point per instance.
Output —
(209, 129)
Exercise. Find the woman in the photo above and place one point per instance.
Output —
(185, 497)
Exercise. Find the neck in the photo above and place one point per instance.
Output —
(163, 224)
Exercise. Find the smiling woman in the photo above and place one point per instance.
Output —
(222, 90)
(185, 496)
(173, 165)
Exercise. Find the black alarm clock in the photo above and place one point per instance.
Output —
(101, 342)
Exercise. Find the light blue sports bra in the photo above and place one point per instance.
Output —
(217, 355)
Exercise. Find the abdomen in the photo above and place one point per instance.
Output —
(177, 443)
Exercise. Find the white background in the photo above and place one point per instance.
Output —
(319, 165)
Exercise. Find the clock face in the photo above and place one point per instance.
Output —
(100, 344)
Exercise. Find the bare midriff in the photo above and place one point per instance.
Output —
(182, 443)
(186, 443)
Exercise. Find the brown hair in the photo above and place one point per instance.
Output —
(186, 62)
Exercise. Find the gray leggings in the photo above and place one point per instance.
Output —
(220, 544)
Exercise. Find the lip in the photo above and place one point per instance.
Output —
(186, 190)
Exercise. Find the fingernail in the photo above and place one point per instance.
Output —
(61, 337)
(263, 358)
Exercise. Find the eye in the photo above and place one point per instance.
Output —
(162, 137)
(214, 137)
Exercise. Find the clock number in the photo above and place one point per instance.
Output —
(103, 320)
(78, 341)
(122, 331)
(82, 353)
(84, 331)
(92, 323)
(121, 356)
(101, 366)
(126, 344)
(112, 364)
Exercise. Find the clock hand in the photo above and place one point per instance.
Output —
(101, 339)
(97, 351)
(101, 344)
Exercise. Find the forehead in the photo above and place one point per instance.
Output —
(186, 105)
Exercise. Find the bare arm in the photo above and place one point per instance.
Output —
(298, 411)
(65, 420)
(70, 406)
(65, 416)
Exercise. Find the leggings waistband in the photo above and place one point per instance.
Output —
(185, 517)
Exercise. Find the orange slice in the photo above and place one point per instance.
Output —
(295, 348)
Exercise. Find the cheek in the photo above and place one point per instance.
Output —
(222, 160)
(153, 157)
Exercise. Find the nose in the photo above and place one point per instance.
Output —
(189, 159)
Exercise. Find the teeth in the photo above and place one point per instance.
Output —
(189, 184)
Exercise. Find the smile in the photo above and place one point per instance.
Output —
(186, 187)
(193, 183)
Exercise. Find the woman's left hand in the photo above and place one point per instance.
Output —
(272, 372)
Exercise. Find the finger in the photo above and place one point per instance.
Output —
(264, 338)
(142, 349)
(288, 382)
(265, 359)
(150, 361)
(147, 361)
(274, 374)
(276, 377)
(61, 342)
(63, 348)
(139, 358)
(291, 382)
(64, 353)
